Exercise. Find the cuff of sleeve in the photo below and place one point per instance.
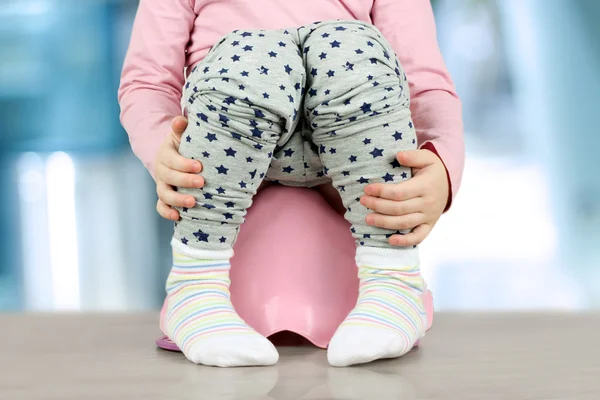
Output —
(431, 147)
(146, 147)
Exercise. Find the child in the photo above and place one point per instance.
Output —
(303, 106)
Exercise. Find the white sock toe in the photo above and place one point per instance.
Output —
(234, 351)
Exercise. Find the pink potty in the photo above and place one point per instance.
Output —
(294, 268)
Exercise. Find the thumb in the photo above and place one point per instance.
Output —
(178, 125)
(416, 158)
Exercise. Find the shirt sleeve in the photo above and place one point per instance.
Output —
(409, 26)
(153, 74)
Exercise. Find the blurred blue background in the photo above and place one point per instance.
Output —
(524, 232)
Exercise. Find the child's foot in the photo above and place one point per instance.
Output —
(201, 320)
(389, 316)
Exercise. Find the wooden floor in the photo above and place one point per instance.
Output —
(464, 356)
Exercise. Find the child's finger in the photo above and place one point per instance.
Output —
(416, 158)
(391, 207)
(397, 191)
(178, 125)
(395, 223)
(411, 239)
(175, 161)
(180, 179)
(171, 198)
(166, 212)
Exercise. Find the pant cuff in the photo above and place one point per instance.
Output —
(387, 258)
(200, 254)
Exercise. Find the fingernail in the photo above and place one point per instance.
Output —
(197, 182)
(190, 203)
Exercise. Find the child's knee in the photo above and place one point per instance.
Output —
(252, 74)
(353, 76)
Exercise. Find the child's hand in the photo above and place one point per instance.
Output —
(416, 203)
(171, 169)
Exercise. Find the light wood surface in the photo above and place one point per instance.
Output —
(464, 356)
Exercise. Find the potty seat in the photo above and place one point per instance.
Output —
(294, 268)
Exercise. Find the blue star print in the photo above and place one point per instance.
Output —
(201, 236)
(377, 152)
(388, 177)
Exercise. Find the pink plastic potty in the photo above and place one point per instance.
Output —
(294, 268)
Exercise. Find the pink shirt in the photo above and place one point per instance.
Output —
(170, 35)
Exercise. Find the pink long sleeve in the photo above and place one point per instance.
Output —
(437, 112)
(153, 74)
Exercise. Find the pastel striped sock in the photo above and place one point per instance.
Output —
(201, 320)
(389, 316)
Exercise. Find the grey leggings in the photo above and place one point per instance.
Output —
(327, 102)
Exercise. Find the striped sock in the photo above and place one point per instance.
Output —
(389, 316)
(201, 320)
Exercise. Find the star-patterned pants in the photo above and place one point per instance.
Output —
(327, 102)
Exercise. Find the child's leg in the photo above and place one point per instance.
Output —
(241, 100)
(357, 101)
